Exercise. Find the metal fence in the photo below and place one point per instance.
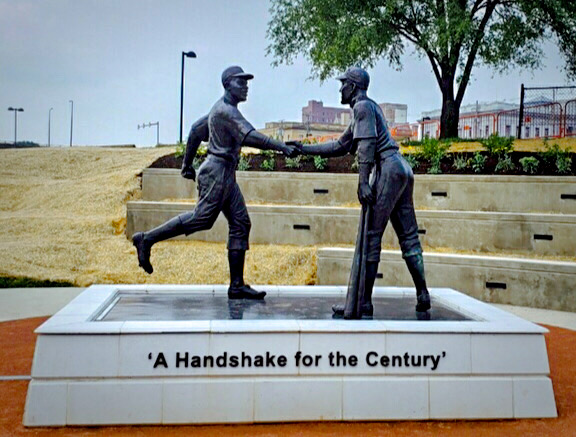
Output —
(546, 112)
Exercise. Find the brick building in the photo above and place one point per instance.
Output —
(316, 112)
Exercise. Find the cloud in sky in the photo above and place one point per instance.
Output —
(119, 61)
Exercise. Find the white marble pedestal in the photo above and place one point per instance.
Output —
(88, 370)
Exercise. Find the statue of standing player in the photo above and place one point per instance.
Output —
(227, 131)
(385, 189)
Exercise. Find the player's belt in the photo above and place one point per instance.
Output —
(386, 154)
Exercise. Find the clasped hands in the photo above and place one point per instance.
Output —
(293, 149)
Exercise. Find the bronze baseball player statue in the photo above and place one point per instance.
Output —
(385, 189)
(226, 131)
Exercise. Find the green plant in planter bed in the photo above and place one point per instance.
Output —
(529, 164)
(293, 162)
(477, 162)
(496, 145)
(460, 162)
(505, 163)
(268, 163)
(244, 163)
(320, 163)
(180, 150)
(433, 150)
(554, 155)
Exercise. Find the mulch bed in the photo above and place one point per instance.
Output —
(343, 164)
(17, 348)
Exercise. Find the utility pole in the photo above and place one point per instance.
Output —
(71, 120)
(16, 111)
(157, 124)
(49, 122)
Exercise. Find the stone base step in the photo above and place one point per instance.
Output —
(514, 281)
(541, 234)
(455, 192)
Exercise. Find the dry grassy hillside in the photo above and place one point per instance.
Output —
(62, 217)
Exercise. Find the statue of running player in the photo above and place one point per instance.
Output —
(226, 131)
(385, 187)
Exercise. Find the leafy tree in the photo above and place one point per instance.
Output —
(454, 35)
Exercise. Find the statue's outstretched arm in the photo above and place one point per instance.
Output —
(198, 133)
(263, 142)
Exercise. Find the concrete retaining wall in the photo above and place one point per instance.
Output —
(543, 234)
(453, 192)
(514, 281)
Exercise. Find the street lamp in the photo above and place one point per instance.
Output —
(49, 120)
(16, 111)
(71, 120)
(184, 55)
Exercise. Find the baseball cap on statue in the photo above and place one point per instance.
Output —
(235, 71)
(357, 75)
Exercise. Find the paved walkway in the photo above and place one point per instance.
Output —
(23, 303)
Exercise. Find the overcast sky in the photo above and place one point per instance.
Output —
(119, 61)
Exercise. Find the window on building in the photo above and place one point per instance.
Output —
(546, 132)
(527, 132)
(537, 132)
(570, 130)
(487, 131)
(508, 130)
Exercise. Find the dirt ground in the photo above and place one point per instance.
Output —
(17, 348)
(63, 216)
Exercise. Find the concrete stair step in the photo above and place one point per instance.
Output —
(504, 280)
(540, 234)
(555, 194)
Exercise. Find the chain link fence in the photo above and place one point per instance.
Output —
(546, 112)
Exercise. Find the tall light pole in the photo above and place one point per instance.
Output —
(71, 120)
(49, 122)
(184, 55)
(16, 111)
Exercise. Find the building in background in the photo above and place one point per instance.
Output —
(294, 130)
(316, 112)
(323, 123)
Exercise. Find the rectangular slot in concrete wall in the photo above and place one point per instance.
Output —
(546, 237)
(321, 191)
(499, 285)
(302, 227)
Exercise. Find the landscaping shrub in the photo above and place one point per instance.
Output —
(433, 150)
(460, 162)
(180, 150)
(478, 162)
(244, 163)
(320, 163)
(529, 164)
(293, 162)
(505, 163)
(564, 164)
(497, 145)
(268, 163)
(555, 155)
